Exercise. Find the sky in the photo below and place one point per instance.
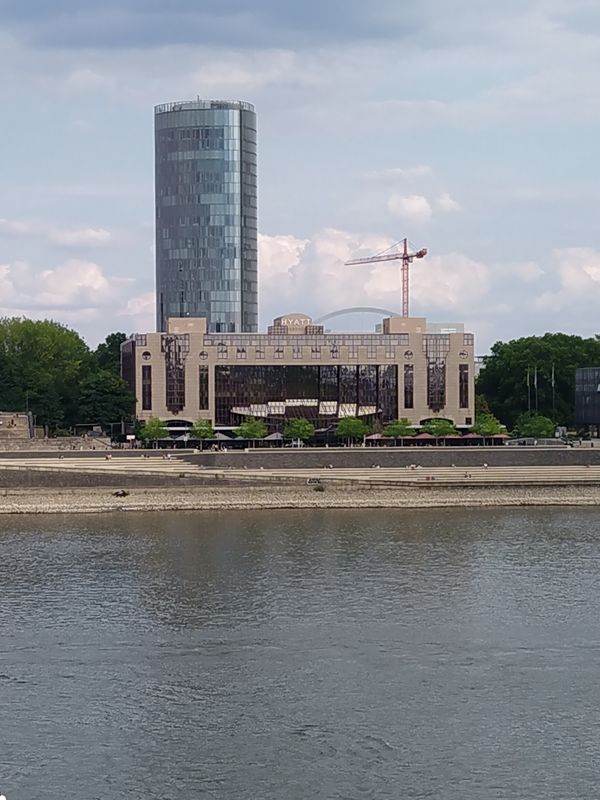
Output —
(471, 128)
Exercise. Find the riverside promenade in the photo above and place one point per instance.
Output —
(84, 482)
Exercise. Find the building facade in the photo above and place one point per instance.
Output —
(298, 370)
(587, 396)
(206, 214)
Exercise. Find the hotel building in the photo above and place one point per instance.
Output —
(297, 369)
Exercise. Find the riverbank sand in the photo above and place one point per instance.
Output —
(92, 500)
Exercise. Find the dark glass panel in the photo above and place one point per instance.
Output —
(463, 385)
(436, 385)
(203, 388)
(328, 383)
(388, 391)
(409, 386)
(348, 384)
(367, 385)
(176, 349)
(146, 387)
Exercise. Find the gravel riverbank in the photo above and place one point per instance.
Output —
(62, 501)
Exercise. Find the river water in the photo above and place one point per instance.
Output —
(447, 654)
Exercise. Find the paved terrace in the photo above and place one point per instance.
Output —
(136, 469)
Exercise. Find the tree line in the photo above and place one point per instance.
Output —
(47, 369)
(529, 383)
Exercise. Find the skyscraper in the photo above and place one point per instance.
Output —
(206, 214)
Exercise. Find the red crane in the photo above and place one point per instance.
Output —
(395, 255)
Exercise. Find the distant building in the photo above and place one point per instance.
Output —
(298, 370)
(587, 396)
(480, 362)
(206, 214)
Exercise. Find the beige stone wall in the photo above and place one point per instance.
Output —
(394, 348)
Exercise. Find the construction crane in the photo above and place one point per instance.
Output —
(391, 254)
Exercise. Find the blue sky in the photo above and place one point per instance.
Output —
(471, 128)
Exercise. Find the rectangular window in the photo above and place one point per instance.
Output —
(409, 386)
(296, 352)
(463, 385)
(315, 352)
(176, 348)
(146, 388)
(468, 340)
(436, 385)
(203, 388)
(387, 380)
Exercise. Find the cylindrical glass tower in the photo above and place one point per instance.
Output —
(206, 214)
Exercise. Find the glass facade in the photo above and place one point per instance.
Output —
(409, 386)
(176, 349)
(463, 385)
(206, 214)
(436, 347)
(146, 388)
(587, 396)
(203, 388)
(321, 394)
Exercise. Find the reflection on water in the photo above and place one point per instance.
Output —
(324, 654)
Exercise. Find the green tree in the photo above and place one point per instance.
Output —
(439, 428)
(202, 429)
(252, 428)
(153, 429)
(503, 380)
(481, 406)
(42, 366)
(487, 425)
(534, 425)
(108, 354)
(298, 429)
(105, 398)
(399, 429)
(351, 428)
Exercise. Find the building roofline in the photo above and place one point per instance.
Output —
(203, 105)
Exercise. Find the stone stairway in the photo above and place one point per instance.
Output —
(436, 476)
(128, 465)
(14, 427)
(173, 466)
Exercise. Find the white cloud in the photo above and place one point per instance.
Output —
(74, 285)
(445, 202)
(579, 279)
(399, 173)
(63, 237)
(141, 312)
(89, 237)
(413, 208)
(450, 283)
(278, 254)
(250, 71)
(313, 278)
(86, 79)
(526, 271)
